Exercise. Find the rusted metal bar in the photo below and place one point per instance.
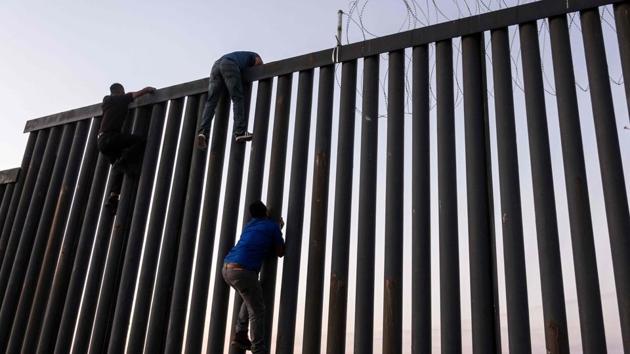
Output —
(336, 338)
(587, 280)
(450, 316)
(275, 191)
(622, 24)
(364, 305)
(420, 203)
(295, 216)
(615, 197)
(479, 229)
(392, 296)
(319, 213)
(511, 215)
(554, 312)
(48, 238)
(210, 210)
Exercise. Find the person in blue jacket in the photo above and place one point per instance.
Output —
(226, 76)
(261, 237)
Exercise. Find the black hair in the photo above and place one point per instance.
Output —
(258, 210)
(116, 87)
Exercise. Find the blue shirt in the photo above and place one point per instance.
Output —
(243, 59)
(259, 238)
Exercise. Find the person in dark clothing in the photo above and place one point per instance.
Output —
(124, 151)
(260, 238)
(225, 76)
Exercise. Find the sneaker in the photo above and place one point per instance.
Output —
(201, 142)
(112, 203)
(241, 341)
(243, 137)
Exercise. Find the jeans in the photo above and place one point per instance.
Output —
(124, 152)
(224, 76)
(246, 284)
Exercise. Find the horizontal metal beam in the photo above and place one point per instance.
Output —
(9, 176)
(469, 25)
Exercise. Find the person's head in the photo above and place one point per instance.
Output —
(258, 210)
(117, 89)
(258, 61)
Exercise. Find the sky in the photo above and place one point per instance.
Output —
(64, 56)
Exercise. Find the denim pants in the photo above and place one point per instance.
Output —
(246, 284)
(124, 152)
(225, 76)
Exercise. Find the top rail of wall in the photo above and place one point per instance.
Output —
(469, 25)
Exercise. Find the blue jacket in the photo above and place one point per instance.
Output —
(258, 240)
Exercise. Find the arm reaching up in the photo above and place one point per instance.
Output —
(143, 92)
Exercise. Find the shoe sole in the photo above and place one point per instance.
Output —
(241, 345)
(243, 139)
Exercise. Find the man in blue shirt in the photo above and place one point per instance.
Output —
(260, 238)
(225, 76)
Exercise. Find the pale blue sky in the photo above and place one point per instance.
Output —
(63, 55)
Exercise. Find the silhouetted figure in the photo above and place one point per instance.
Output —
(124, 151)
(260, 238)
(225, 76)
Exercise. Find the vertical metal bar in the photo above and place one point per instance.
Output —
(3, 189)
(187, 156)
(11, 207)
(20, 202)
(544, 199)
(131, 217)
(33, 242)
(4, 207)
(450, 316)
(65, 295)
(125, 291)
(255, 175)
(511, 216)
(490, 192)
(57, 250)
(275, 190)
(180, 234)
(159, 215)
(295, 216)
(589, 299)
(622, 24)
(101, 245)
(319, 213)
(364, 304)
(482, 296)
(54, 217)
(420, 203)
(615, 197)
(392, 301)
(220, 298)
(210, 209)
(338, 307)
